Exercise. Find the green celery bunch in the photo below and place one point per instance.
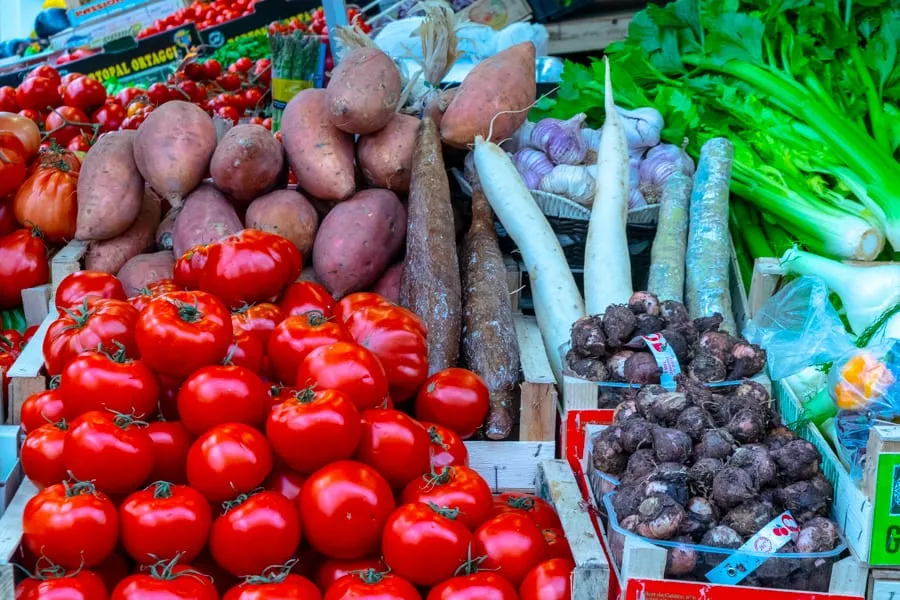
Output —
(807, 90)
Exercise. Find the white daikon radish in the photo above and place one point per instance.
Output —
(607, 266)
(557, 302)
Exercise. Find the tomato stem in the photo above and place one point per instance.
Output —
(305, 396)
(124, 421)
(272, 574)
(316, 318)
(444, 511)
(67, 123)
(437, 438)
(162, 490)
(471, 565)
(436, 478)
(370, 576)
(239, 499)
(525, 503)
(78, 488)
(61, 424)
(54, 382)
(79, 315)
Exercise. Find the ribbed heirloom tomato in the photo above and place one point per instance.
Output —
(164, 522)
(372, 584)
(447, 448)
(343, 509)
(75, 288)
(255, 532)
(477, 586)
(348, 368)
(228, 460)
(457, 487)
(42, 454)
(106, 323)
(47, 198)
(295, 337)
(101, 381)
(314, 428)
(72, 525)
(513, 545)
(180, 332)
(458, 399)
(424, 543)
(221, 394)
(109, 449)
(394, 444)
(351, 303)
(78, 585)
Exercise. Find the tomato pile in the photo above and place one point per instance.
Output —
(203, 14)
(317, 23)
(233, 422)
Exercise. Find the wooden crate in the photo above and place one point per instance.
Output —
(550, 479)
(588, 33)
(640, 575)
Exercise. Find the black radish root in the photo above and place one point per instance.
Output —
(750, 394)
(681, 560)
(636, 434)
(797, 460)
(647, 397)
(707, 368)
(732, 486)
(607, 454)
(668, 407)
(673, 312)
(749, 517)
(660, 516)
(715, 443)
(618, 324)
(705, 324)
(671, 445)
(679, 345)
(640, 465)
(588, 338)
(694, 421)
(625, 411)
(719, 344)
(697, 393)
(586, 367)
(647, 324)
(747, 426)
(746, 360)
(627, 499)
(817, 535)
(670, 479)
(644, 303)
(615, 364)
(702, 473)
(755, 459)
(722, 536)
(641, 368)
(779, 437)
(803, 499)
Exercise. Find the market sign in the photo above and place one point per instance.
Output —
(98, 8)
(882, 485)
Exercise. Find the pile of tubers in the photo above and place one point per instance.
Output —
(607, 347)
(702, 468)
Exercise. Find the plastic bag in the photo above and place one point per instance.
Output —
(798, 327)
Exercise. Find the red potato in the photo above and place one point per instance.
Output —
(503, 83)
(206, 216)
(142, 270)
(388, 285)
(285, 213)
(247, 162)
(108, 256)
(364, 91)
(320, 154)
(357, 241)
(173, 148)
(164, 231)
(110, 188)
(385, 156)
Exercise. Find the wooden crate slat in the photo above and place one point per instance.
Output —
(36, 303)
(537, 413)
(25, 376)
(509, 465)
(67, 261)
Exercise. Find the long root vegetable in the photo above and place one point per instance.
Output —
(364, 91)
(666, 278)
(110, 188)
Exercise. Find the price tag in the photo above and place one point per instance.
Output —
(768, 540)
(665, 359)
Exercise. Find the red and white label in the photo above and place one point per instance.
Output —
(665, 359)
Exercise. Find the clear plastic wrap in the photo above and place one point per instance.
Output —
(666, 278)
(798, 328)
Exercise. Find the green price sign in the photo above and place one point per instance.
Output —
(885, 549)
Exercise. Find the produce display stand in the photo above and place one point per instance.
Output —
(552, 480)
(121, 19)
(641, 574)
(264, 12)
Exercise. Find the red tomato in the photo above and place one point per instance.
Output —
(424, 544)
(171, 442)
(246, 351)
(283, 586)
(195, 71)
(180, 582)
(459, 488)
(478, 586)
(110, 117)
(241, 65)
(46, 200)
(168, 397)
(99, 381)
(557, 543)
(330, 571)
(458, 399)
(8, 222)
(79, 143)
(182, 331)
(159, 93)
(302, 297)
(37, 93)
(262, 71)
(313, 429)
(538, 510)
(23, 264)
(212, 68)
(78, 585)
(295, 337)
(85, 93)
(397, 337)
(447, 448)
(12, 163)
(254, 533)
(164, 522)
(106, 323)
(228, 460)
(229, 113)
(550, 580)
(110, 450)
(258, 319)
(222, 394)
(348, 368)
(112, 570)
(190, 91)
(42, 454)
(343, 509)
(513, 545)
(64, 123)
(351, 303)
(251, 98)
(76, 287)
(40, 409)
(126, 96)
(71, 524)
(141, 298)
(8, 101)
(229, 82)
(285, 481)
(394, 444)
(45, 71)
(372, 584)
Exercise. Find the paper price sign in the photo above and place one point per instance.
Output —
(665, 359)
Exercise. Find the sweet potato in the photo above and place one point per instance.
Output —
(438, 104)
(108, 256)
(357, 241)
(173, 147)
(385, 156)
(500, 83)
(142, 270)
(364, 91)
(320, 154)
(286, 213)
(388, 285)
(205, 217)
(110, 188)
(246, 162)
(164, 231)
